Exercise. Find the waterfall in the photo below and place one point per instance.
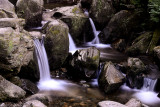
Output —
(45, 82)
(149, 84)
(72, 46)
(42, 60)
(96, 39)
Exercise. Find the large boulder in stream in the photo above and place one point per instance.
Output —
(31, 11)
(136, 70)
(16, 50)
(110, 79)
(56, 43)
(120, 26)
(101, 12)
(74, 17)
(85, 63)
(9, 91)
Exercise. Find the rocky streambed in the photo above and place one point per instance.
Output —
(92, 76)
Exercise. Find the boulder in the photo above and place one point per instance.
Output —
(29, 86)
(34, 103)
(119, 45)
(133, 103)
(110, 104)
(42, 97)
(31, 11)
(9, 91)
(56, 43)
(16, 50)
(85, 62)
(6, 5)
(157, 52)
(110, 79)
(14, 23)
(120, 26)
(7, 14)
(76, 20)
(140, 45)
(101, 12)
(135, 73)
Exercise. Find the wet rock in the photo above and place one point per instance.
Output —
(44, 98)
(36, 34)
(6, 5)
(16, 80)
(34, 103)
(10, 91)
(157, 54)
(120, 26)
(31, 11)
(15, 23)
(135, 73)
(101, 12)
(29, 86)
(110, 78)
(154, 41)
(56, 43)
(133, 103)
(119, 45)
(16, 50)
(110, 104)
(140, 45)
(85, 62)
(7, 14)
(76, 20)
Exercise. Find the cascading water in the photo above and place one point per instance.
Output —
(46, 83)
(72, 46)
(42, 60)
(146, 94)
(96, 39)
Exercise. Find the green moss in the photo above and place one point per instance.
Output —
(154, 41)
(99, 5)
(76, 10)
(10, 46)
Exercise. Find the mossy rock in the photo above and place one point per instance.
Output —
(56, 43)
(140, 44)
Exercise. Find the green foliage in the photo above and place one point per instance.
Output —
(154, 10)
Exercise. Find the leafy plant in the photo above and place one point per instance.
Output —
(154, 10)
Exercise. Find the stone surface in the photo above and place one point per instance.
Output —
(110, 78)
(157, 51)
(31, 11)
(110, 104)
(6, 5)
(34, 103)
(140, 45)
(29, 86)
(119, 45)
(76, 20)
(7, 14)
(85, 62)
(101, 12)
(16, 50)
(134, 103)
(15, 23)
(9, 91)
(120, 26)
(56, 43)
(135, 73)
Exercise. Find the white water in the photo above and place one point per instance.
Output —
(96, 39)
(45, 82)
(72, 46)
(146, 95)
